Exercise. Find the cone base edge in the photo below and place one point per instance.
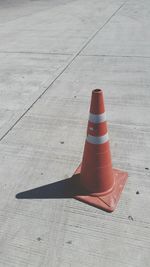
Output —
(108, 202)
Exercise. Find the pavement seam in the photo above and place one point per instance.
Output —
(63, 70)
(119, 56)
(36, 53)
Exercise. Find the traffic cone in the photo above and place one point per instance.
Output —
(101, 184)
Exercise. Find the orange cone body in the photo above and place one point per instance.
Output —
(96, 163)
(102, 183)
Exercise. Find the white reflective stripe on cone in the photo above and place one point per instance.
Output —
(97, 140)
(97, 118)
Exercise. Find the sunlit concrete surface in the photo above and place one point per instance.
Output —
(52, 54)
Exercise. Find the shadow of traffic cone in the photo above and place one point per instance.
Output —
(101, 183)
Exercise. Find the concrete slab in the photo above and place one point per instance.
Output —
(27, 38)
(45, 146)
(126, 35)
(10, 11)
(57, 30)
(23, 77)
(68, 232)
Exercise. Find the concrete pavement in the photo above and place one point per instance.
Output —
(52, 54)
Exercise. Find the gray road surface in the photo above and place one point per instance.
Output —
(52, 54)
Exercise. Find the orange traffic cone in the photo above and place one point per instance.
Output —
(101, 184)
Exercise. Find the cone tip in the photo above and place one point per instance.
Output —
(97, 102)
(97, 91)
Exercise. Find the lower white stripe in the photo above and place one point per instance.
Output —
(97, 140)
(97, 118)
